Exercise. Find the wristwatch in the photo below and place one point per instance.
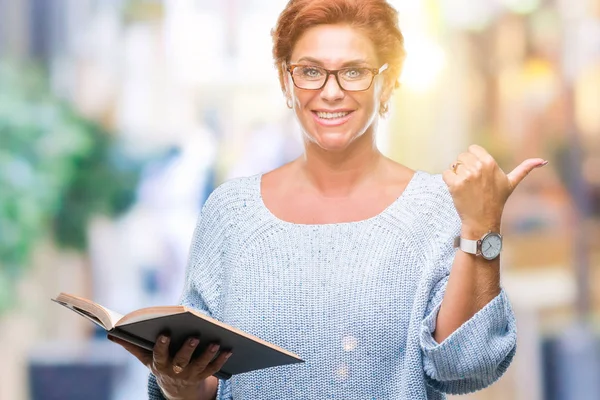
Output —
(488, 246)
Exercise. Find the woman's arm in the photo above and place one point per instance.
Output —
(209, 391)
(479, 190)
(468, 351)
(204, 274)
(473, 283)
(468, 334)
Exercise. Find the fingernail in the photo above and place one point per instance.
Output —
(228, 355)
(164, 339)
(214, 347)
(193, 342)
(544, 163)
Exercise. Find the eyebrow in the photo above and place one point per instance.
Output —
(359, 61)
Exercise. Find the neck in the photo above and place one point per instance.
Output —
(338, 174)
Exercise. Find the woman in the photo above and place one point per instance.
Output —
(343, 256)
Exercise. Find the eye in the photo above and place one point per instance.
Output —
(355, 73)
(309, 72)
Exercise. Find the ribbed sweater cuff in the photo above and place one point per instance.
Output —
(154, 392)
(224, 390)
(479, 350)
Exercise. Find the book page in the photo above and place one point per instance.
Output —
(87, 308)
(148, 313)
(114, 316)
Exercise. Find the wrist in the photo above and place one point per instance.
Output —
(475, 231)
(189, 393)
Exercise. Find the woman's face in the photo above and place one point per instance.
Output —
(331, 117)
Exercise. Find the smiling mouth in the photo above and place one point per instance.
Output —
(332, 118)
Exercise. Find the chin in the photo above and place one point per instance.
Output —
(332, 141)
(334, 138)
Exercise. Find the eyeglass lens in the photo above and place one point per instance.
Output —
(351, 79)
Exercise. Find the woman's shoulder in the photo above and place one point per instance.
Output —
(231, 194)
(432, 196)
(422, 184)
(236, 186)
(430, 186)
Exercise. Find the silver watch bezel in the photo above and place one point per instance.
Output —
(475, 246)
(483, 239)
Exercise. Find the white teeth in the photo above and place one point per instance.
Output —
(327, 115)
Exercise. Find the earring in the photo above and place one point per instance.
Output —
(383, 109)
(289, 103)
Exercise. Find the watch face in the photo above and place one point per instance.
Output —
(491, 246)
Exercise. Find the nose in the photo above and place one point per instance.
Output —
(332, 91)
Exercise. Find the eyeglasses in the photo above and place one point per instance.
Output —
(351, 79)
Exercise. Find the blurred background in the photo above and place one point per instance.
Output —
(119, 117)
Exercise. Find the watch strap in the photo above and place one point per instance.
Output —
(466, 245)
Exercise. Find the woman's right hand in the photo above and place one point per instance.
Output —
(180, 377)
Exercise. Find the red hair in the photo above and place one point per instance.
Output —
(376, 18)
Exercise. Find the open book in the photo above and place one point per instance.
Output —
(142, 327)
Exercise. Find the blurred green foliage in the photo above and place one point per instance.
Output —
(57, 170)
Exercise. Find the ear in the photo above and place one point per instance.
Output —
(386, 94)
(287, 83)
(288, 95)
(387, 90)
(288, 91)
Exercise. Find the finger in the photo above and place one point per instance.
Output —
(519, 173)
(481, 154)
(183, 356)
(468, 159)
(216, 365)
(468, 162)
(449, 177)
(143, 355)
(198, 365)
(160, 355)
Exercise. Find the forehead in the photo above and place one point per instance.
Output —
(334, 45)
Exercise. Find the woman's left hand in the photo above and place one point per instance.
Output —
(480, 189)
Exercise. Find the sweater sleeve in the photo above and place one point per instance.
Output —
(202, 286)
(479, 351)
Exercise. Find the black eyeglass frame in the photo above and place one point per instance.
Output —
(375, 71)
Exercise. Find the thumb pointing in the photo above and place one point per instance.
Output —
(520, 172)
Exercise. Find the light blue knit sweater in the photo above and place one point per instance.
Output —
(357, 301)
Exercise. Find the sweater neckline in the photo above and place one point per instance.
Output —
(385, 211)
